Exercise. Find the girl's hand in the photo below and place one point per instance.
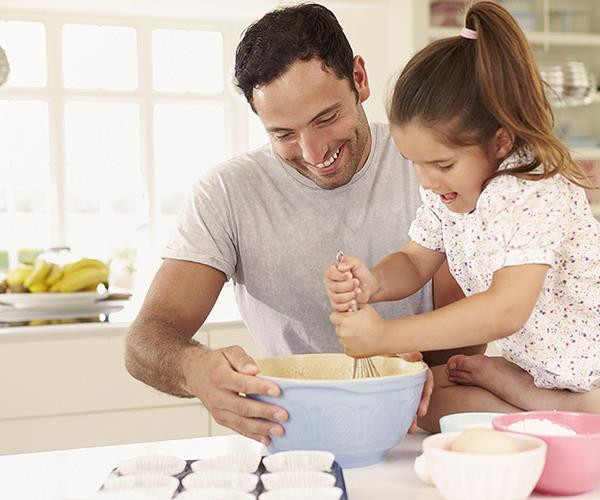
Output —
(361, 333)
(349, 283)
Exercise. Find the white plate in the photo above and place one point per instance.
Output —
(9, 314)
(50, 300)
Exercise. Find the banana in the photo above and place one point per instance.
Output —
(56, 286)
(84, 263)
(38, 322)
(38, 288)
(54, 275)
(16, 276)
(41, 269)
(83, 278)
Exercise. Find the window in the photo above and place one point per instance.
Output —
(25, 171)
(104, 185)
(25, 47)
(188, 139)
(99, 57)
(257, 136)
(106, 123)
(198, 65)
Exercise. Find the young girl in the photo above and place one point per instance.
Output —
(503, 203)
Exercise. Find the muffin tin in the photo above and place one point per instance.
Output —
(235, 465)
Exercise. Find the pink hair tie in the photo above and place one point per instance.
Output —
(470, 34)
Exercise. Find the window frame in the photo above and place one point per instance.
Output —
(57, 95)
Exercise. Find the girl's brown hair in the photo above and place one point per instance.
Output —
(467, 89)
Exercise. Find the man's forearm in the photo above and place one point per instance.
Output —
(156, 354)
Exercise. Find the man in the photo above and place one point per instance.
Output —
(272, 219)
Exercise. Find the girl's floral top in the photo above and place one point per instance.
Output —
(518, 221)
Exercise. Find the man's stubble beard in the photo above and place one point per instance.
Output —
(355, 148)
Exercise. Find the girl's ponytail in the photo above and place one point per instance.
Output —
(466, 89)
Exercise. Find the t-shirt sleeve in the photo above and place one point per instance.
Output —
(524, 221)
(203, 231)
(426, 229)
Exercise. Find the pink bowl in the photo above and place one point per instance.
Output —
(572, 462)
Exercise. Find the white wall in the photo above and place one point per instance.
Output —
(381, 31)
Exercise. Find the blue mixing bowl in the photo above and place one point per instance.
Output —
(357, 420)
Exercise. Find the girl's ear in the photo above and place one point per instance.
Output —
(503, 143)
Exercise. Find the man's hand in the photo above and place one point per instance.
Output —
(221, 379)
(427, 388)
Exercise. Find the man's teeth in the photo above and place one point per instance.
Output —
(329, 161)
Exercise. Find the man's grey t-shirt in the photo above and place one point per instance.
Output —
(273, 232)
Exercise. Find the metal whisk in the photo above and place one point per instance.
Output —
(363, 367)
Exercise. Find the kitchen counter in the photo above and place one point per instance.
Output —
(78, 473)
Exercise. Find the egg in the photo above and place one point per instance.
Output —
(480, 440)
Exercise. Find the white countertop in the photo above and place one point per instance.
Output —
(74, 474)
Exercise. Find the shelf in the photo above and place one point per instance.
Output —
(558, 104)
(534, 37)
(564, 39)
(586, 153)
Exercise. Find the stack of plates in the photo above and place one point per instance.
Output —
(19, 307)
(571, 83)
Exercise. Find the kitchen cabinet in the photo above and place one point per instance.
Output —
(66, 386)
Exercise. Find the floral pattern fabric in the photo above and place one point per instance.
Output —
(517, 222)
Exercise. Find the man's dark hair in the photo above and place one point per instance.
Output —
(283, 36)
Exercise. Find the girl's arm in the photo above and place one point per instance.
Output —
(446, 291)
(396, 276)
(403, 273)
(496, 313)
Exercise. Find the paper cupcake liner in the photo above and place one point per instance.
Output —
(299, 460)
(146, 482)
(234, 462)
(214, 494)
(132, 495)
(242, 481)
(152, 464)
(331, 493)
(297, 479)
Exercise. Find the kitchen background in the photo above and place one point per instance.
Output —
(112, 108)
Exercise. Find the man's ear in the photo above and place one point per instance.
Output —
(502, 143)
(361, 80)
